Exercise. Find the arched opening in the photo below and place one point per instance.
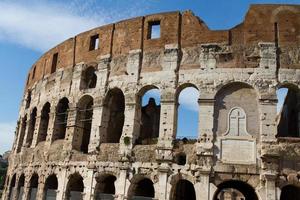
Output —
(180, 158)
(43, 129)
(235, 190)
(20, 188)
(85, 118)
(187, 112)
(149, 113)
(113, 116)
(12, 187)
(22, 133)
(290, 192)
(75, 187)
(51, 186)
(34, 182)
(105, 187)
(236, 111)
(184, 190)
(28, 100)
(142, 189)
(288, 108)
(31, 127)
(89, 78)
(61, 119)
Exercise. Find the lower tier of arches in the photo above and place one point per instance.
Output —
(108, 182)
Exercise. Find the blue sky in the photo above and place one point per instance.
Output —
(29, 28)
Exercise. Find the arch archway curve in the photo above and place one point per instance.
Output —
(219, 88)
(184, 86)
(244, 188)
(144, 88)
(137, 183)
(286, 8)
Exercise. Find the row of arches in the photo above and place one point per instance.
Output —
(112, 120)
(141, 188)
(147, 114)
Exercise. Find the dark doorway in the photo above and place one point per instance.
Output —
(142, 190)
(184, 190)
(232, 188)
(75, 188)
(290, 192)
(105, 188)
(51, 187)
(34, 182)
(113, 116)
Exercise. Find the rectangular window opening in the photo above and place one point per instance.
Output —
(94, 42)
(154, 30)
(54, 62)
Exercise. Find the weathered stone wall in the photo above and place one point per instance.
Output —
(236, 71)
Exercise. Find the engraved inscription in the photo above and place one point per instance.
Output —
(238, 151)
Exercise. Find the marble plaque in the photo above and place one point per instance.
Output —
(240, 151)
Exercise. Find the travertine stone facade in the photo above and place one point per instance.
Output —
(83, 133)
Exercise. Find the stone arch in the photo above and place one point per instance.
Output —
(105, 186)
(88, 78)
(141, 187)
(34, 182)
(289, 117)
(84, 123)
(44, 123)
(234, 189)
(183, 190)
(113, 116)
(286, 19)
(75, 187)
(290, 192)
(20, 187)
(51, 186)
(12, 187)
(148, 115)
(187, 111)
(236, 94)
(61, 119)
(31, 127)
(22, 133)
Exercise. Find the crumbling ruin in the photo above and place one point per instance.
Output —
(83, 132)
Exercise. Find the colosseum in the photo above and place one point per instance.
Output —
(83, 132)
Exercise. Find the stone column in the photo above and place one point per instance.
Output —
(40, 189)
(62, 184)
(73, 135)
(120, 183)
(51, 127)
(270, 186)
(18, 137)
(26, 193)
(167, 128)
(95, 130)
(203, 186)
(24, 145)
(268, 114)
(88, 183)
(268, 60)
(163, 181)
(36, 130)
(131, 126)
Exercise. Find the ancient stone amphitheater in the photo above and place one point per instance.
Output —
(83, 132)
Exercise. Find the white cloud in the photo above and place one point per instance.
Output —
(40, 25)
(6, 136)
(189, 99)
